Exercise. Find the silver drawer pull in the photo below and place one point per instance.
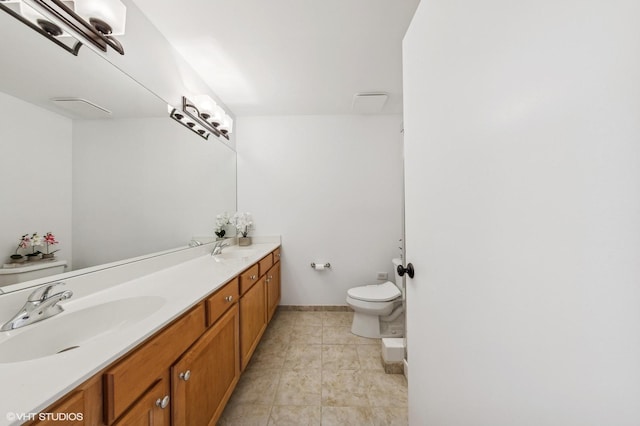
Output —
(267, 280)
(228, 298)
(186, 375)
(163, 402)
(270, 277)
(253, 277)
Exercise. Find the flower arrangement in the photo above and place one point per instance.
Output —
(222, 220)
(25, 242)
(243, 223)
(50, 240)
(33, 241)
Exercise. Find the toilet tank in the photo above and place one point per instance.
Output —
(17, 273)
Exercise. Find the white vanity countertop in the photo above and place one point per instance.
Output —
(31, 386)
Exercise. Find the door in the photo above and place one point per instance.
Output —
(522, 178)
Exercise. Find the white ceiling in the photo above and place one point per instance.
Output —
(281, 57)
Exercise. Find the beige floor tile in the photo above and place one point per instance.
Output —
(256, 387)
(340, 357)
(294, 416)
(370, 357)
(342, 335)
(311, 334)
(344, 388)
(245, 415)
(390, 416)
(343, 416)
(301, 318)
(299, 387)
(277, 334)
(303, 357)
(339, 319)
(385, 390)
(268, 357)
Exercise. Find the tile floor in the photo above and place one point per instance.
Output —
(310, 370)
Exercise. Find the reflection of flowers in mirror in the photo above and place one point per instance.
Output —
(222, 220)
(50, 240)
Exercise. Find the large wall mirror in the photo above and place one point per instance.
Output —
(92, 156)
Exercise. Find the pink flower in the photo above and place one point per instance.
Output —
(50, 238)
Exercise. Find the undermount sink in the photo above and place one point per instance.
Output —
(69, 330)
(239, 253)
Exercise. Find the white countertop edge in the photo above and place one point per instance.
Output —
(31, 386)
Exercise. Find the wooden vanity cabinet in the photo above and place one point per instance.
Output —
(130, 378)
(152, 409)
(205, 376)
(184, 374)
(253, 320)
(85, 401)
(272, 282)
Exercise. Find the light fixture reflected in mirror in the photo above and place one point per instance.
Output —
(203, 116)
(94, 22)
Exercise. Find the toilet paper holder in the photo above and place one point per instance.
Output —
(320, 265)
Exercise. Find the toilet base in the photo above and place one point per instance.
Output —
(366, 325)
(370, 326)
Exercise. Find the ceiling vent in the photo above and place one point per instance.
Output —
(368, 103)
(82, 108)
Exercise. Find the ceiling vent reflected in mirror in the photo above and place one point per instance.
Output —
(368, 103)
(82, 108)
(69, 24)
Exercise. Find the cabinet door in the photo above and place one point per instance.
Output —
(253, 320)
(152, 408)
(204, 378)
(273, 290)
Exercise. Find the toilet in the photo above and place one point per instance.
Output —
(378, 309)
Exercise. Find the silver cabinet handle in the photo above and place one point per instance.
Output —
(163, 402)
(186, 375)
(267, 280)
(253, 277)
(228, 298)
(270, 277)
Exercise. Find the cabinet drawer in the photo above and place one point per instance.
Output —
(248, 278)
(276, 255)
(131, 377)
(222, 300)
(265, 263)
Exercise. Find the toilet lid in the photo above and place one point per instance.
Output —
(375, 292)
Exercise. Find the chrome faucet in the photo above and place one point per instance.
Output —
(218, 246)
(194, 243)
(41, 304)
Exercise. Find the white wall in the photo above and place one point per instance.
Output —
(144, 185)
(35, 164)
(522, 144)
(332, 187)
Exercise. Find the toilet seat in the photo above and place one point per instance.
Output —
(375, 292)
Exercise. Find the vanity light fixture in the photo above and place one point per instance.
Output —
(203, 116)
(94, 22)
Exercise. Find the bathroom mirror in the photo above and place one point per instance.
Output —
(92, 156)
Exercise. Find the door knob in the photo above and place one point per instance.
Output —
(408, 270)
